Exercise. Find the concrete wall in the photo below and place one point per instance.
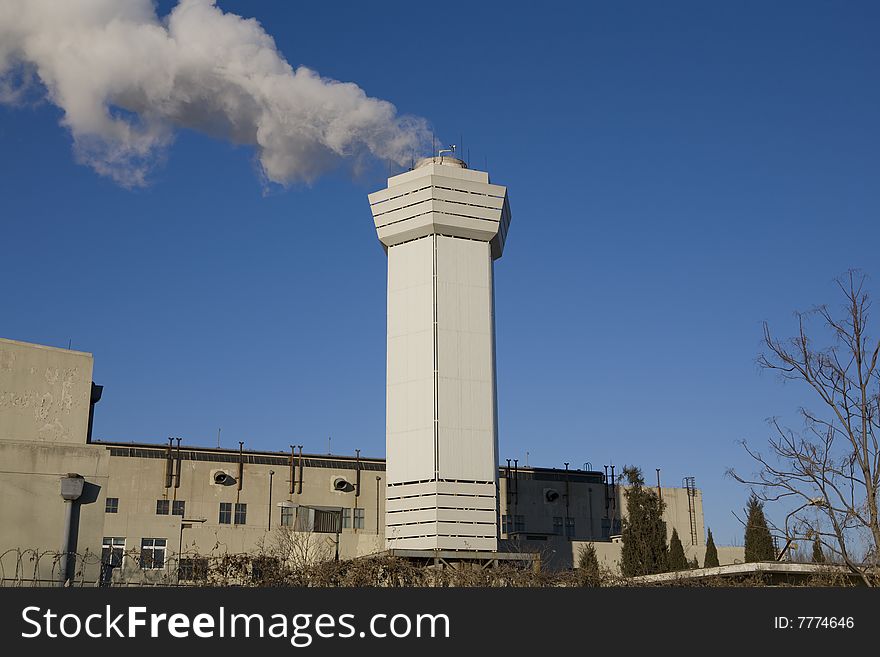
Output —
(44, 393)
(608, 554)
(32, 510)
(581, 497)
(409, 413)
(676, 513)
(578, 496)
(44, 413)
(138, 481)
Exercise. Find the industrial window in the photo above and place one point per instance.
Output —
(178, 507)
(240, 514)
(346, 518)
(511, 524)
(287, 516)
(153, 553)
(358, 518)
(557, 525)
(225, 513)
(162, 507)
(610, 527)
(569, 527)
(192, 569)
(112, 551)
(112, 505)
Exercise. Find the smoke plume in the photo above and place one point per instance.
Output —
(126, 79)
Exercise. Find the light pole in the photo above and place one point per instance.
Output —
(71, 489)
(378, 479)
(271, 474)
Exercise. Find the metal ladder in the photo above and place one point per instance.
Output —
(690, 484)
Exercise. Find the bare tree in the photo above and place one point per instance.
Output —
(300, 550)
(832, 467)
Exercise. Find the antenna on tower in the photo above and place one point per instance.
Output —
(451, 150)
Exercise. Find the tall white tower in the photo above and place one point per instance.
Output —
(442, 226)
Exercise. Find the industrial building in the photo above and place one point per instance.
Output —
(149, 512)
(156, 502)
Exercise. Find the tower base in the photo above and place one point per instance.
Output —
(464, 560)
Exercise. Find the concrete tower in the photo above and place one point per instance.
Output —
(442, 226)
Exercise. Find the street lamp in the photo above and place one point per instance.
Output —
(71, 489)
(271, 474)
(378, 479)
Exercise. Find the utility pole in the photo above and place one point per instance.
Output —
(271, 475)
(378, 479)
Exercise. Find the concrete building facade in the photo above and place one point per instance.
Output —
(149, 512)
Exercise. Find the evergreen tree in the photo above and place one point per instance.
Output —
(677, 560)
(758, 541)
(588, 566)
(711, 558)
(818, 554)
(644, 532)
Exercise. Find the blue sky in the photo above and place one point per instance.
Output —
(678, 173)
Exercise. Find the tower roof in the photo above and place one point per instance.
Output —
(441, 196)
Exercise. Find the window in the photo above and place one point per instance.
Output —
(240, 513)
(287, 516)
(511, 524)
(305, 519)
(346, 518)
(358, 518)
(225, 513)
(178, 507)
(162, 507)
(112, 551)
(153, 553)
(192, 569)
(557, 525)
(112, 505)
(569, 527)
(610, 527)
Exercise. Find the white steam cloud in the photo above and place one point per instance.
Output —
(125, 79)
